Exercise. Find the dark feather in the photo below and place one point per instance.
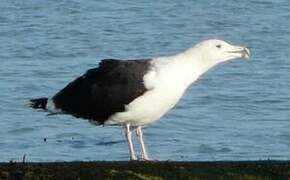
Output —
(103, 91)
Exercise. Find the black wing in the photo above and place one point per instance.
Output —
(103, 91)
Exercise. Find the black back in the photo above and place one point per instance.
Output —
(103, 91)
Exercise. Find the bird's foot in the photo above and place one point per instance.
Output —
(147, 159)
(133, 158)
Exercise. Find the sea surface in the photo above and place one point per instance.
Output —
(237, 111)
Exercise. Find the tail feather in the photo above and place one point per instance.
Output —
(39, 103)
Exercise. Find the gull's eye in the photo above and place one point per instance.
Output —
(219, 46)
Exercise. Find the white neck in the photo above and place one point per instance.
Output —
(192, 64)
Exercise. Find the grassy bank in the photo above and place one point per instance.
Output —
(147, 170)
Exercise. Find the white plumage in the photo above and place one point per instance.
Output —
(168, 79)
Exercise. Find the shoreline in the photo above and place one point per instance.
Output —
(147, 170)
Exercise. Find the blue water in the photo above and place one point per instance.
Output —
(237, 111)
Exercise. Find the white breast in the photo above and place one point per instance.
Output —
(166, 86)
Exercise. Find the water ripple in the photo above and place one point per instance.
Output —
(237, 111)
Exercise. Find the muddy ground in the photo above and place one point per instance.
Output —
(146, 170)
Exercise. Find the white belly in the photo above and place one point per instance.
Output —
(147, 108)
(166, 86)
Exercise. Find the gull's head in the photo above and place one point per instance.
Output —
(218, 51)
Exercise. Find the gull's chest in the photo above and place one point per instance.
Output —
(163, 93)
(165, 86)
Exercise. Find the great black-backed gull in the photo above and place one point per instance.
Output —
(134, 93)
